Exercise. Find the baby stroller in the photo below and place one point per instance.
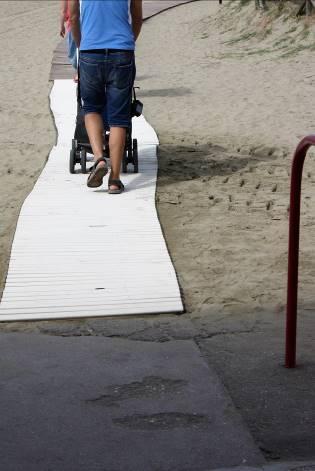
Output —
(81, 145)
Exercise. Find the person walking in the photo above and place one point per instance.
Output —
(105, 33)
(65, 32)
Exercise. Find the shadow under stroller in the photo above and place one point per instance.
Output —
(81, 145)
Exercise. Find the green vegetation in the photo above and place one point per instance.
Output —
(249, 31)
(243, 37)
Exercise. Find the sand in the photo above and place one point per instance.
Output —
(29, 33)
(229, 107)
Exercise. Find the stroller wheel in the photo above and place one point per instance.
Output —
(72, 161)
(83, 160)
(124, 162)
(135, 156)
(106, 151)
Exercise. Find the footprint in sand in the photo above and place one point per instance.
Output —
(269, 205)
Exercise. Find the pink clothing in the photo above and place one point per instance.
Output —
(68, 24)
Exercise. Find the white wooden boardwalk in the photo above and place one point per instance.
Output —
(80, 252)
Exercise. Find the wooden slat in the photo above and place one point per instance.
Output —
(79, 252)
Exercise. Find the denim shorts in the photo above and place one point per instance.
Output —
(106, 82)
(72, 50)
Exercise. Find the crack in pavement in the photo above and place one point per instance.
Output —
(163, 421)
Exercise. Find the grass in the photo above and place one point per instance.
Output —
(243, 37)
(295, 50)
(292, 30)
(280, 42)
(304, 33)
(254, 33)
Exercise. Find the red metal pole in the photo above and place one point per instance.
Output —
(293, 253)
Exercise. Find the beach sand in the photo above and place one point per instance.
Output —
(228, 92)
(29, 32)
(229, 107)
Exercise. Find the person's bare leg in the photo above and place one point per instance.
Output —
(117, 138)
(95, 130)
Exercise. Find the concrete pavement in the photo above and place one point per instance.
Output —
(96, 403)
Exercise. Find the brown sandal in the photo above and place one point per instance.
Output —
(117, 183)
(97, 174)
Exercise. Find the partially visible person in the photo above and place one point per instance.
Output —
(106, 32)
(65, 32)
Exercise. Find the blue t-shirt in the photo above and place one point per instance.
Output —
(106, 24)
